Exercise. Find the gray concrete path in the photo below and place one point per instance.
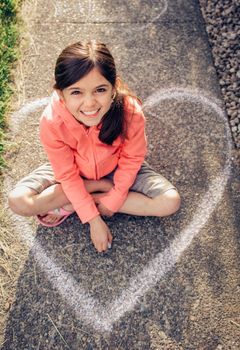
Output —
(169, 283)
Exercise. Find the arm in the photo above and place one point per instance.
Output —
(66, 172)
(131, 158)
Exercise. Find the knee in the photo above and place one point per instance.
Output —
(18, 202)
(169, 203)
(172, 201)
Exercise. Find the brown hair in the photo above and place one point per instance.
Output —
(76, 61)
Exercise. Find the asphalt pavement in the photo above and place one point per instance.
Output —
(170, 283)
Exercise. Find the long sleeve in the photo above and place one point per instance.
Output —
(131, 158)
(66, 171)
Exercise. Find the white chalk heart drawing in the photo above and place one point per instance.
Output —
(87, 308)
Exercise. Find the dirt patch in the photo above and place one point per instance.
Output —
(13, 253)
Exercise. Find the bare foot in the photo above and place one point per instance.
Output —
(102, 185)
(55, 217)
(50, 218)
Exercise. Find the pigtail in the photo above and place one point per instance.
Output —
(114, 123)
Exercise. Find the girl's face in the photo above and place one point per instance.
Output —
(88, 99)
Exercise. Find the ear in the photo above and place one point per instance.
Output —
(114, 93)
(117, 84)
(118, 81)
(60, 94)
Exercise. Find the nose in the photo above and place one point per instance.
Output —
(89, 101)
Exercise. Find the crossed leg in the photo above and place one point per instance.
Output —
(27, 202)
(136, 203)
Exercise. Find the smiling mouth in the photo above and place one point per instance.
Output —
(91, 114)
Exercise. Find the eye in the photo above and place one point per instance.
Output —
(75, 92)
(101, 90)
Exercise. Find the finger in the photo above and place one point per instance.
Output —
(100, 250)
(96, 200)
(110, 238)
(98, 247)
(110, 242)
(108, 212)
(97, 196)
(105, 246)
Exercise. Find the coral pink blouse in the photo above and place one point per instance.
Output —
(76, 153)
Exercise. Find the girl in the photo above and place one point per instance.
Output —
(93, 134)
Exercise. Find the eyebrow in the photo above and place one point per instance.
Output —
(97, 87)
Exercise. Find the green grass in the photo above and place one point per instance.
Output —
(9, 37)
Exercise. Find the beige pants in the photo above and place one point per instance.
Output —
(147, 180)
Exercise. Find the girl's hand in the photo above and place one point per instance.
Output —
(100, 234)
(101, 208)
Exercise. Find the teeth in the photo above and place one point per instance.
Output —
(90, 113)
